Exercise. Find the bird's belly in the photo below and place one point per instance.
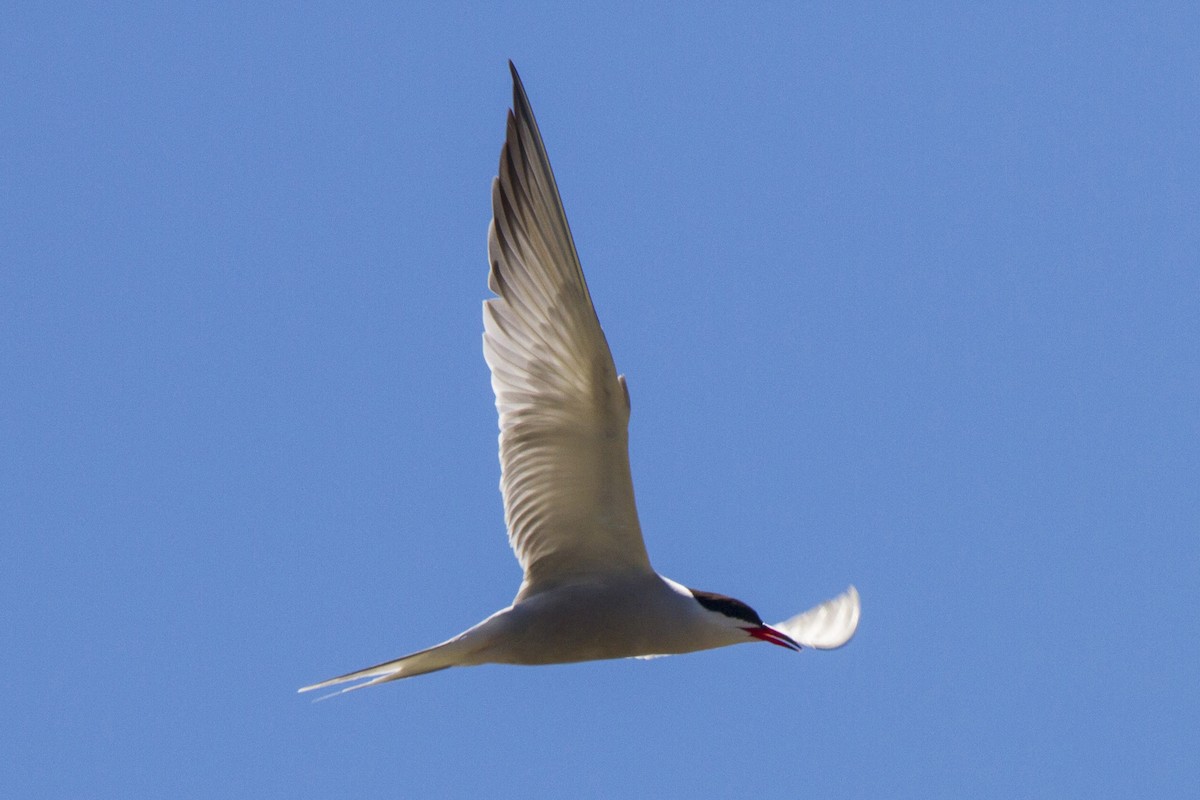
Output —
(591, 623)
(546, 641)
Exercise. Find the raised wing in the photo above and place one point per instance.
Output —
(564, 412)
(827, 626)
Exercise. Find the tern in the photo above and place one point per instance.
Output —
(588, 590)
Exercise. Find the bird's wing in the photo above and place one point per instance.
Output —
(827, 626)
(564, 411)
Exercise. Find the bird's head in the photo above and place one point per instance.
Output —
(733, 613)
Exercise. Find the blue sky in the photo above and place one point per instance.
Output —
(907, 296)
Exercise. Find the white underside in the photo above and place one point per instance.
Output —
(633, 616)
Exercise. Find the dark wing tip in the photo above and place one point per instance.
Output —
(518, 86)
(521, 105)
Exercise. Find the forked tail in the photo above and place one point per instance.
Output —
(442, 656)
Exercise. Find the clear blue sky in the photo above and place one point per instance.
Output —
(908, 297)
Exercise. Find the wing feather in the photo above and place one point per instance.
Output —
(564, 411)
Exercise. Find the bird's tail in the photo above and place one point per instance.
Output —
(827, 626)
(442, 656)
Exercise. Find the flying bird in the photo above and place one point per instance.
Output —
(588, 590)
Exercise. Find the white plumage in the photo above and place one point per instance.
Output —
(589, 591)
